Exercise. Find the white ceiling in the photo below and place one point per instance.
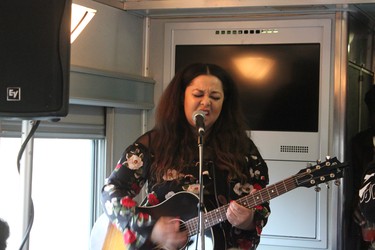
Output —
(171, 8)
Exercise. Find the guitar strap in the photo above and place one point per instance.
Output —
(216, 193)
(215, 188)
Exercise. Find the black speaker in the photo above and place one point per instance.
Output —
(34, 58)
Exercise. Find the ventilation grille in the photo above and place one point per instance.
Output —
(294, 149)
(246, 31)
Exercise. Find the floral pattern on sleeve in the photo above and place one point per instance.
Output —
(125, 182)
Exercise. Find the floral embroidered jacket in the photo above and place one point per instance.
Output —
(130, 175)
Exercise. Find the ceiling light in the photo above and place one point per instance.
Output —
(81, 16)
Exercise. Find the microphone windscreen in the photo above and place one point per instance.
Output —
(198, 113)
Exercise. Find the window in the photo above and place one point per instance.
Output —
(68, 172)
(62, 192)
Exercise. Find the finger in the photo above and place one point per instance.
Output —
(253, 191)
(231, 217)
(234, 207)
(239, 211)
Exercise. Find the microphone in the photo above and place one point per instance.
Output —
(198, 118)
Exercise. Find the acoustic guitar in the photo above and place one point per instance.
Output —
(187, 211)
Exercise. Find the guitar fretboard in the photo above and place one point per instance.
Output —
(218, 215)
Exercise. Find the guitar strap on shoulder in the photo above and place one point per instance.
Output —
(216, 193)
(215, 188)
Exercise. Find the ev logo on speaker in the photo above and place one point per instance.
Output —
(14, 94)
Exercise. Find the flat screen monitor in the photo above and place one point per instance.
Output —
(278, 83)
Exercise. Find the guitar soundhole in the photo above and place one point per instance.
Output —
(183, 227)
(193, 242)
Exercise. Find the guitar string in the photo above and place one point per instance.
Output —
(218, 215)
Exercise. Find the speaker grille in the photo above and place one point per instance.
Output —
(35, 58)
(294, 149)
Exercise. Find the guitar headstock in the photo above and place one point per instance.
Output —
(322, 172)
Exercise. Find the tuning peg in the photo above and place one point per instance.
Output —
(327, 185)
(328, 157)
(337, 182)
(318, 161)
(317, 189)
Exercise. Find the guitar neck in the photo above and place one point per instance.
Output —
(218, 215)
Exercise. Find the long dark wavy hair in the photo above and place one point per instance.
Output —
(174, 141)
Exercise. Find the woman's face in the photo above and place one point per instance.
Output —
(205, 93)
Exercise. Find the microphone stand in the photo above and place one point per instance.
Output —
(201, 187)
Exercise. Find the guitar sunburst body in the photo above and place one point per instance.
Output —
(114, 239)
